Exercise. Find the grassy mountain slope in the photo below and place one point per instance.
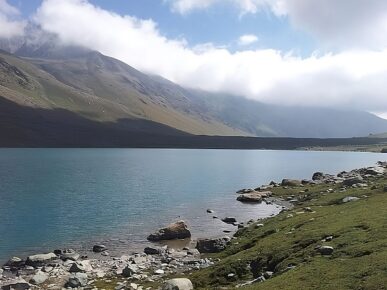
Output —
(98, 88)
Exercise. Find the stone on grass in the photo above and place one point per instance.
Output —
(178, 284)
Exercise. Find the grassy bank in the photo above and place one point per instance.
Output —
(286, 244)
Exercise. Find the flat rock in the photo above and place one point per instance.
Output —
(40, 260)
(349, 199)
(178, 230)
(20, 284)
(250, 198)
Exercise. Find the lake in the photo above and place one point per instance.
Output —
(55, 198)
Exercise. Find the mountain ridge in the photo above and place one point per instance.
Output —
(104, 89)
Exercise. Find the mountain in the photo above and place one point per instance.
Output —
(96, 90)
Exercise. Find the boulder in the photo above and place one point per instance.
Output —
(373, 171)
(290, 182)
(318, 176)
(68, 254)
(212, 245)
(81, 267)
(178, 230)
(326, 250)
(39, 278)
(129, 271)
(229, 220)
(154, 250)
(14, 262)
(99, 248)
(20, 284)
(178, 284)
(40, 260)
(77, 280)
(250, 198)
(352, 181)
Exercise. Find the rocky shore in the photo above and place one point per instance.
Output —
(157, 267)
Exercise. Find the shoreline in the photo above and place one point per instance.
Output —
(186, 259)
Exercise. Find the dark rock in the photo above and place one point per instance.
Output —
(154, 250)
(318, 176)
(210, 211)
(352, 181)
(325, 250)
(99, 248)
(77, 268)
(212, 245)
(178, 230)
(229, 220)
(14, 262)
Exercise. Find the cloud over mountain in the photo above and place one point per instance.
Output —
(10, 24)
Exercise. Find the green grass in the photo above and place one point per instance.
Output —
(359, 229)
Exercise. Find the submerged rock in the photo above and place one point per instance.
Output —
(212, 245)
(99, 248)
(178, 230)
(229, 220)
(178, 284)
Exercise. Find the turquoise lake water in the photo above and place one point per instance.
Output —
(54, 198)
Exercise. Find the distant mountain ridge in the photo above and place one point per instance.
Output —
(91, 85)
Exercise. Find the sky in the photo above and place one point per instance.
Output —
(325, 53)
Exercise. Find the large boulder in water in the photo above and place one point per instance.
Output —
(178, 230)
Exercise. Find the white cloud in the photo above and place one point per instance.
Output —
(9, 25)
(245, 6)
(351, 79)
(247, 39)
(344, 23)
